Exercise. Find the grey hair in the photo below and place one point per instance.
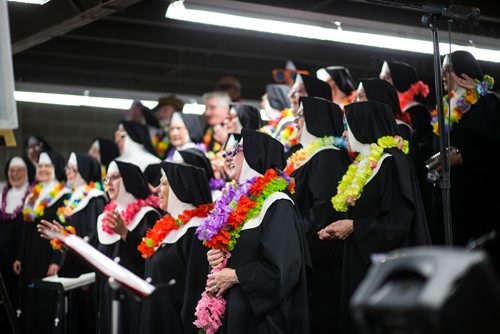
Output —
(222, 98)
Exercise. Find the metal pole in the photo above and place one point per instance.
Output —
(445, 167)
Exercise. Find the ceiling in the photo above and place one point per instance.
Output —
(129, 44)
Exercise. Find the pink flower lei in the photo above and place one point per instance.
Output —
(131, 210)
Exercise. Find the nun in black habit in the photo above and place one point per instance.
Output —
(388, 214)
(316, 179)
(120, 228)
(104, 151)
(412, 93)
(475, 177)
(243, 116)
(275, 100)
(178, 267)
(379, 90)
(86, 203)
(185, 132)
(36, 258)
(264, 281)
(135, 145)
(341, 84)
(19, 174)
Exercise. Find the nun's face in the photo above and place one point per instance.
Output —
(44, 172)
(164, 192)
(120, 135)
(298, 90)
(71, 173)
(235, 166)
(299, 120)
(113, 181)
(17, 176)
(178, 134)
(448, 83)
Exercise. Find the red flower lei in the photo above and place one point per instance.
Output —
(167, 224)
(418, 88)
(131, 210)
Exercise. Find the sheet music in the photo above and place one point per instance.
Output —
(104, 264)
(70, 283)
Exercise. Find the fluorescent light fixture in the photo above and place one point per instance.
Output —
(96, 102)
(33, 2)
(176, 10)
(193, 108)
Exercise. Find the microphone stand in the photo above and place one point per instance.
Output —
(432, 21)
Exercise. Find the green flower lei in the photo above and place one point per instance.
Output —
(358, 173)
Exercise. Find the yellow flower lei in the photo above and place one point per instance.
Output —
(351, 186)
(298, 158)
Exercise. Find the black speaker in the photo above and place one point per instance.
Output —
(429, 290)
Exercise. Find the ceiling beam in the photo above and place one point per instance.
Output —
(79, 20)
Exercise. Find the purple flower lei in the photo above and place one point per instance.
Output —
(11, 216)
(217, 218)
(216, 184)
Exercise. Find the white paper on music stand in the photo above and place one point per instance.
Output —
(70, 283)
(104, 264)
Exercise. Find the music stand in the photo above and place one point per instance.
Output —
(120, 278)
(63, 286)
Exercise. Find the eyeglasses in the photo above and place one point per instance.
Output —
(111, 178)
(237, 149)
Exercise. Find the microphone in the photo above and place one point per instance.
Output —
(454, 12)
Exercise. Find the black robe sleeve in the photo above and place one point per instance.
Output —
(386, 229)
(421, 121)
(95, 208)
(325, 170)
(130, 257)
(270, 278)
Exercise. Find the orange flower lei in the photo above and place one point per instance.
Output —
(207, 138)
(167, 224)
(30, 213)
(56, 243)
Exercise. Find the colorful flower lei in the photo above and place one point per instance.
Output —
(351, 186)
(207, 139)
(297, 159)
(64, 212)
(287, 136)
(221, 230)
(131, 210)
(11, 216)
(464, 103)
(30, 213)
(167, 224)
(417, 88)
(56, 243)
(161, 143)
